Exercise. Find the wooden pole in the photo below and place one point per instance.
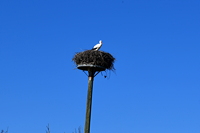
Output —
(89, 100)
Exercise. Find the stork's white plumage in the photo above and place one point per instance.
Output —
(98, 46)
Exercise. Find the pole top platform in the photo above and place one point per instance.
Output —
(86, 67)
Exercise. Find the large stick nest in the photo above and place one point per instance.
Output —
(93, 57)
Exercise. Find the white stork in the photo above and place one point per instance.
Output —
(97, 46)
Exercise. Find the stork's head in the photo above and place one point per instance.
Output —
(100, 42)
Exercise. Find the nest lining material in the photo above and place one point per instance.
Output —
(93, 57)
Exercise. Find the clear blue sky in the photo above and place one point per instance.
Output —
(156, 86)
